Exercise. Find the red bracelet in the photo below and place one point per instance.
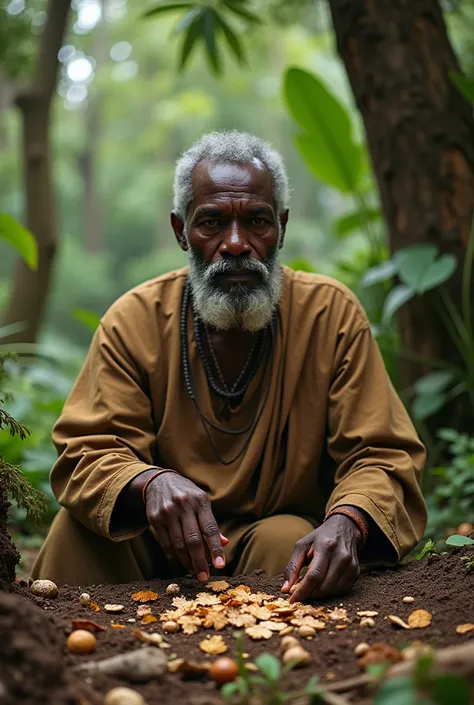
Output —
(152, 477)
(355, 517)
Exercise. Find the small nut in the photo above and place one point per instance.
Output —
(287, 630)
(306, 632)
(288, 642)
(85, 599)
(361, 648)
(44, 588)
(170, 627)
(123, 696)
(173, 589)
(81, 641)
(297, 655)
(367, 622)
(408, 599)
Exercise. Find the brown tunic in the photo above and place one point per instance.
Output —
(332, 431)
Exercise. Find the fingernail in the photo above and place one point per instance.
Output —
(219, 562)
(202, 577)
(285, 586)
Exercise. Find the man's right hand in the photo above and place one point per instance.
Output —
(181, 517)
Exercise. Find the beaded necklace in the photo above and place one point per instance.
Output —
(191, 390)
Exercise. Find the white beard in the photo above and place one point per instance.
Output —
(240, 307)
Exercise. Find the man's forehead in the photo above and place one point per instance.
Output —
(211, 179)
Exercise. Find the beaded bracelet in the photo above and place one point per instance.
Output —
(152, 477)
(356, 518)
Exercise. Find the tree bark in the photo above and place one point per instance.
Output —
(420, 134)
(30, 288)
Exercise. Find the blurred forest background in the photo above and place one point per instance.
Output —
(370, 104)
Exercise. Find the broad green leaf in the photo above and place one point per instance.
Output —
(269, 665)
(419, 269)
(464, 84)
(237, 8)
(381, 273)
(210, 28)
(187, 20)
(434, 382)
(425, 405)
(231, 37)
(88, 318)
(358, 220)
(458, 540)
(194, 33)
(326, 143)
(398, 296)
(20, 238)
(167, 7)
(450, 688)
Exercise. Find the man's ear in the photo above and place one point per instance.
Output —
(283, 223)
(178, 227)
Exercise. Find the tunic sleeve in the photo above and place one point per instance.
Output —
(105, 435)
(378, 455)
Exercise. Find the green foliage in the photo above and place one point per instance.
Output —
(464, 84)
(211, 25)
(457, 541)
(357, 220)
(429, 549)
(21, 239)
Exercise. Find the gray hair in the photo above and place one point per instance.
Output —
(234, 147)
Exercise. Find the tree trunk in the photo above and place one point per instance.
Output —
(420, 134)
(30, 288)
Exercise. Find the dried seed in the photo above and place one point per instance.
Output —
(367, 622)
(114, 608)
(173, 589)
(361, 648)
(408, 599)
(297, 655)
(85, 599)
(170, 627)
(306, 632)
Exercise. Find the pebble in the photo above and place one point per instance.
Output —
(173, 589)
(44, 588)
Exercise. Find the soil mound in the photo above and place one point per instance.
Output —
(9, 556)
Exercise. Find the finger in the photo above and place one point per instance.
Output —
(347, 582)
(179, 544)
(314, 577)
(224, 540)
(163, 538)
(212, 536)
(195, 545)
(295, 564)
(342, 570)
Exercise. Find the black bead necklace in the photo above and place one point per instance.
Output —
(190, 387)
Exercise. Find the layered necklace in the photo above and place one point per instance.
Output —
(263, 347)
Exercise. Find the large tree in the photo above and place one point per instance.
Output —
(420, 133)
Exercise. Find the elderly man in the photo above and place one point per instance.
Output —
(234, 414)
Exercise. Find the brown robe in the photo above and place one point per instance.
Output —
(332, 432)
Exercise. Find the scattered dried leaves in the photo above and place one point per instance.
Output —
(181, 603)
(148, 619)
(218, 585)
(215, 620)
(240, 619)
(419, 619)
(258, 612)
(144, 596)
(273, 626)
(464, 628)
(143, 610)
(338, 613)
(214, 645)
(88, 625)
(93, 606)
(204, 598)
(257, 632)
(317, 624)
(189, 624)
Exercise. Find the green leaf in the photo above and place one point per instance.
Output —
(419, 269)
(397, 297)
(429, 546)
(242, 12)
(187, 20)
(312, 688)
(229, 690)
(381, 273)
(358, 220)
(194, 33)
(269, 665)
(458, 540)
(210, 29)
(397, 691)
(231, 37)
(434, 382)
(464, 84)
(167, 7)
(450, 688)
(326, 143)
(425, 405)
(89, 319)
(20, 238)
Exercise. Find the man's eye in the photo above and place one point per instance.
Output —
(259, 221)
(211, 223)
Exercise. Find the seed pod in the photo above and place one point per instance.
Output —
(288, 642)
(123, 696)
(170, 627)
(44, 588)
(306, 632)
(361, 648)
(173, 589)
(297, 655)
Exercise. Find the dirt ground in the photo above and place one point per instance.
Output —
(36, 666)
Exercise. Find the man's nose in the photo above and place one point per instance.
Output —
(234, 241)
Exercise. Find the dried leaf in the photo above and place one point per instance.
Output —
(114, 608)
(397, 621)
(88, 625)
(341, 626)
(189, 668)
(149, 619)
(244, 588)
(257, 632)
(215, 645)
(260, 597)
(156, 639)
(419, 619)
(171, 615)
(93, 606)
(143, 610)
(117, 626)
(273, 626)
(258, 612)
(338, 613)
(144, 596)
(239, 619)
(367, 613)
(183, 604)
(240, 594)
(204, 598)
(464, 628)
(317, 624)
(218, 585)
(189, 624)
(215, 620)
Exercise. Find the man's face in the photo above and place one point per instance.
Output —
(232, 234)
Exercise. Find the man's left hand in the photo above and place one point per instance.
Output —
(331, 551)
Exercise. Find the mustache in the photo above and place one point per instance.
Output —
(233, 264)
